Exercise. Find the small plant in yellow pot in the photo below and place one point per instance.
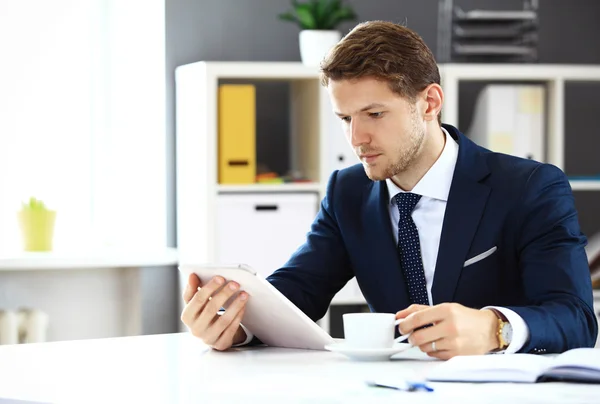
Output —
(37, 225)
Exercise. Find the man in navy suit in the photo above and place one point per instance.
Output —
(477, 251)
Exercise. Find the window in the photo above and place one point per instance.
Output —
(82, 119)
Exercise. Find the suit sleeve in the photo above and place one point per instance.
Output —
(320, 267)
(554, 268)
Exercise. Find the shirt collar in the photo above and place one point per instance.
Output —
(436, 182)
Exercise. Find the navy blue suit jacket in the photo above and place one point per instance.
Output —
(524, 208)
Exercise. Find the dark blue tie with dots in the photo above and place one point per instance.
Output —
(410, 249)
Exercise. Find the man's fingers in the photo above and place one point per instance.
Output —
(402, 314)
(428, 334)
(217, 301)
(204, 293)
(442, 344)
(199, 300)
(413, 308)
(417, 319)
(220, 323)
(194, 281)
(234, 308)
(226, 339)
(191, 288)
(187, 293)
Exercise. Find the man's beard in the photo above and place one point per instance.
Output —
(404, 156)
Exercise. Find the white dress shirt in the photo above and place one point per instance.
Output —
(428, 216)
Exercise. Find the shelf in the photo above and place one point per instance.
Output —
(347, 301)
(92, 258)
(256, 70)
(467, 71)
(252, 188)
(585, 185)
(577, 185)
(518, 72)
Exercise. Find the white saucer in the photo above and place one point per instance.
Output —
(367, 354)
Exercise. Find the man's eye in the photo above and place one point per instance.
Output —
(345, 119)
(376, 114)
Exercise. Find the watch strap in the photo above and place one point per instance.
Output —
(502, 321)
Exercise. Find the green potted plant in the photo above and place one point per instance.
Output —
(37, 225)
(318, 20)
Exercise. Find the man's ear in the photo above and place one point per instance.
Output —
(433, 97)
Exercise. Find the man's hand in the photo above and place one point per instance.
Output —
(456, 329)
(202, 305)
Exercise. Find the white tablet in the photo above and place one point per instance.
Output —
(269, 315)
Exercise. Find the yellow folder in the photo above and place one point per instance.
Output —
(237, 134)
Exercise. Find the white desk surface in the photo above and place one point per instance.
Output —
(178, 368)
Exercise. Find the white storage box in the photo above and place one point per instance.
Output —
(263, 230)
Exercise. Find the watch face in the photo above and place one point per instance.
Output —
(507, 333)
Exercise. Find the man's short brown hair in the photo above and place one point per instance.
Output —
(385, 51)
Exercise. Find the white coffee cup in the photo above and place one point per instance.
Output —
(371, 330)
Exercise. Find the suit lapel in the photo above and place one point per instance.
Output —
(387, 277)
(464, 209)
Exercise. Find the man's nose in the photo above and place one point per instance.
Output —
(358, 134)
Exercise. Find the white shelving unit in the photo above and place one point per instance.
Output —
(268, 188)
(196, 116)
(314, 134)
(554, 76)
(585, 185)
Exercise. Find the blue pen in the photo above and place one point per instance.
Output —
(419, 386)
(410, 386)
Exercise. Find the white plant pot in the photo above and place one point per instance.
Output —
(314, 45)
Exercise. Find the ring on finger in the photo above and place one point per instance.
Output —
(433, 348)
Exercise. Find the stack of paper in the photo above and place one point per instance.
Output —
(487, 35)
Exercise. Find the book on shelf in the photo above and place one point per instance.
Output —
(510, 119)
(575, 365)
(237, 133)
